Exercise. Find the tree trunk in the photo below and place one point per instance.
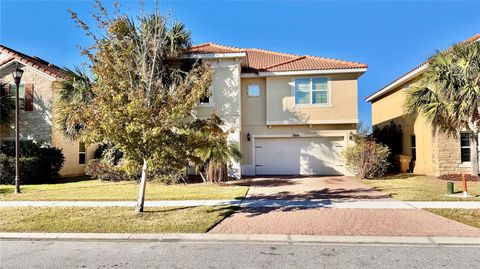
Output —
(474, 154)
(141, 188)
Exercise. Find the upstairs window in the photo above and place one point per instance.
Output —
(313, 91)
(465, 147)
(205, 100)
(21, 95)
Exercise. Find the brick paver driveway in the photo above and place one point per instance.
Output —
(332, 221)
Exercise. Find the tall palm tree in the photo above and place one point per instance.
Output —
(448, 94)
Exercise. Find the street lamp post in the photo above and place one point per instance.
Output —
(17, 76)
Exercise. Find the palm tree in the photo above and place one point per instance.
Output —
(212, 150)
(448, 94)
(76, 92)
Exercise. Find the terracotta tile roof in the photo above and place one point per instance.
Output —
(411, 72)
(37, 63)
(259, 60)
(212, 48)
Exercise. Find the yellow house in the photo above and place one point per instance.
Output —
(432, 152)
(39, 89)
(291, 114)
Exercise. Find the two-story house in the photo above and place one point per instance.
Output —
(39, 88)
(292, 114)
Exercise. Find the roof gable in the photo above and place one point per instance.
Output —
(34, 62)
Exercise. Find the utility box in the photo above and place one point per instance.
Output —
(450, 187)
(402, 163)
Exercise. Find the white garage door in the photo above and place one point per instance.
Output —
(299, 156)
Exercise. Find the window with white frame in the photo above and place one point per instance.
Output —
(465, 147)
(253, 90)
(313, 91)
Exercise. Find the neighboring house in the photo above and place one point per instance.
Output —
(432, 152)
(40, 84)
(290, 114)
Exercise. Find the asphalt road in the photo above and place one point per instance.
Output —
(71, 254)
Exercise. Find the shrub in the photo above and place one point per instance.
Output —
(37, 164)
(367, 159)
(99, 169)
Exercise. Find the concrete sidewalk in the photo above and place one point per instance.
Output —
(244, 238)
(256, 203)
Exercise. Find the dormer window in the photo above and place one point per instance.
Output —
(253, 90)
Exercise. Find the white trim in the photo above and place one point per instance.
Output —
(216, 55)
(292, 122)
(31, 68)
(398, 82)
(312, 72)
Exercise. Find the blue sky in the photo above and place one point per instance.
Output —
(390, 36)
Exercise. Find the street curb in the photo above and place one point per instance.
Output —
(245, 238)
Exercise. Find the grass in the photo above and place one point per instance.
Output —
(94, 190)
(421, 188)
(111, 219)
(467, 216)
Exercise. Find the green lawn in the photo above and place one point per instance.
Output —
(467, 216)
(96, 190)
(111, 219)
(421, 188)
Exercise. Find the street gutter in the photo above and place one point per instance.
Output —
(244, 238)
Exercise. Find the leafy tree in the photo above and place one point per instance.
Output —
(448, 94)
(145, 89)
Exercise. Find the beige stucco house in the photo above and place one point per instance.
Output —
(432, 152)
(291, 114)
(39, 88)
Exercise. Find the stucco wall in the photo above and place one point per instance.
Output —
(225, 101)
(281, 108)
(254, 118)
(70, 149)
